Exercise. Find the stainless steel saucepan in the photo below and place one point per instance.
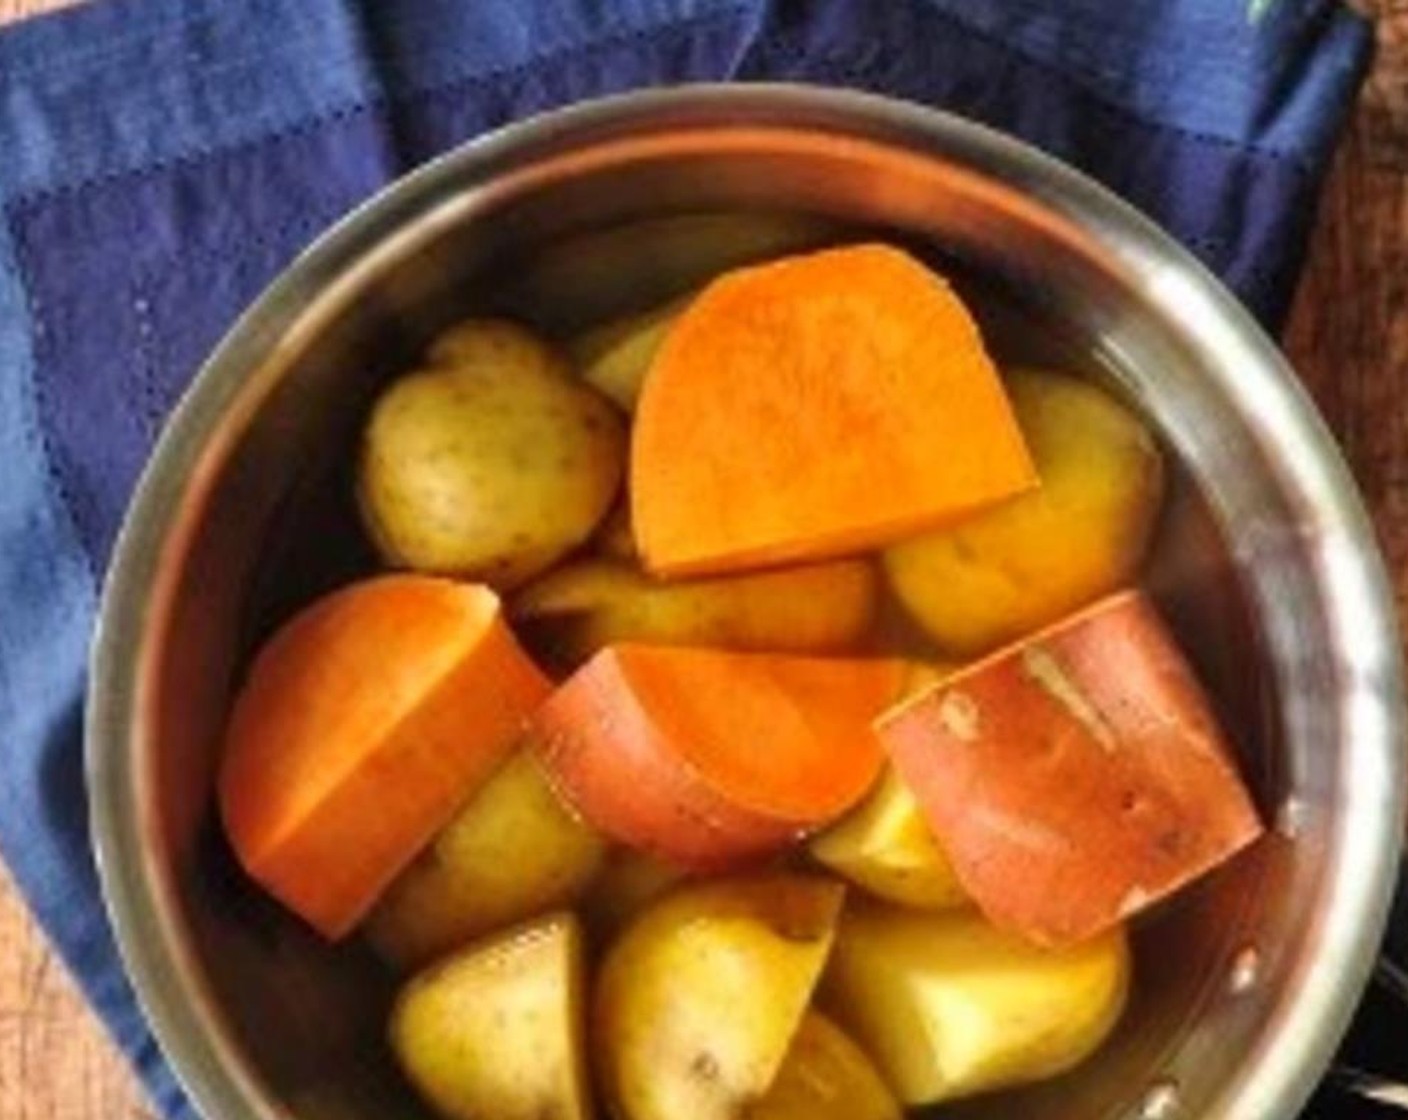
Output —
(1266, 566)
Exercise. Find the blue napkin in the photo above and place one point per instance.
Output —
(160, 161)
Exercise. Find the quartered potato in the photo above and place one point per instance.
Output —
(495, 1032)
(492, 461)
(825, 1076)
(699, 1000)
(1083, 533)
(514, 850)
(583, 606)
(949, 1006)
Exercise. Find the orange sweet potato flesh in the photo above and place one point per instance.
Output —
(364, 722)
(817, 406)
(706, 758)
(1077, 777)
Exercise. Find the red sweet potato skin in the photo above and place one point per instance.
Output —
(707, 758)
(604, 755)
(1077, 777)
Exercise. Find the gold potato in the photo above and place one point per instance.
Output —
(513, 850)
(1030, 561)
(614, 357)
(579, 608)
(885, 846)
(825, 1076)
(949, 1006)
(491, 462)
(698, 1001)
(496, 1031)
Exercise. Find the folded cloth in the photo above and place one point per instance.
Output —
(160, 161)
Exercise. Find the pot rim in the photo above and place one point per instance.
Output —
(204, 1057)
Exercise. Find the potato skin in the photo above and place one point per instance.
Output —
(496, 1030)
(1028, 562)
(949, 1006)
(491, 462)
(698, 1001)
(512, 851)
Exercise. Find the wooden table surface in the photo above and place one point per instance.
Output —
(1348, 338)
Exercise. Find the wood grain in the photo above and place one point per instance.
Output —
(1349, 339)
(11, 10)
(55, 1061)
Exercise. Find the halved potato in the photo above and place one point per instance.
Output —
(496, 1030)
(1000, 575)
(698, 1002)
(513, 850)
(948, 1005)
(826, 1076)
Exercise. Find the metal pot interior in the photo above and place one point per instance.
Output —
(563, 235)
